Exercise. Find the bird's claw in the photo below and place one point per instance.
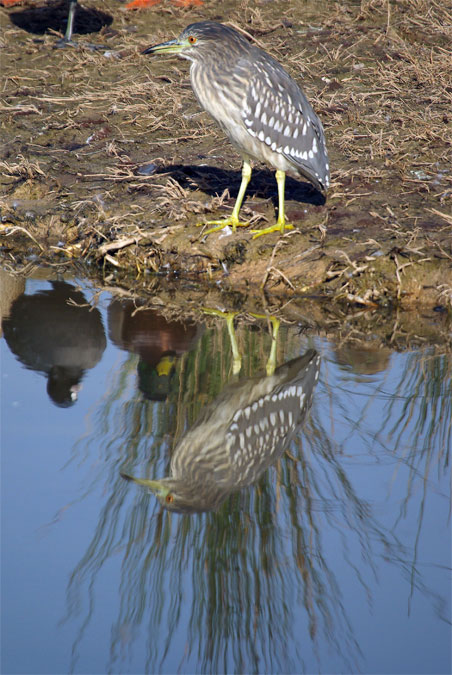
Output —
(273, 228)
(65, 42)
(221, 224)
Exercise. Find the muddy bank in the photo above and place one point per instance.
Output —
(108, 164)
(365, 336)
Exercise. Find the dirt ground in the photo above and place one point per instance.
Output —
(108, 166)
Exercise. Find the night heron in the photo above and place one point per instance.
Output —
(261, 109)
(237, 437)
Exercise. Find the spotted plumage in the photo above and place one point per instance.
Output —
(278, 113)
(257, 103)
(238, 437)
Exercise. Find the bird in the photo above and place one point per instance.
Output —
(159, 343)
(237, 437)
(56, 333)
(67, 39)
(258, 105)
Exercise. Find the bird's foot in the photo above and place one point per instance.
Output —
(219, 312)
(232, 222)
(278, 227)
(62, 43)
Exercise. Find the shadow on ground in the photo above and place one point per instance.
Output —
(53, 17)
(213, 181)
(77, 129)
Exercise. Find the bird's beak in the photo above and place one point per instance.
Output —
(171, 47)
(155, 486)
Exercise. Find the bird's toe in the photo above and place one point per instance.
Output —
(225, 222)
(278, 227)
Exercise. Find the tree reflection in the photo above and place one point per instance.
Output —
(226, 590)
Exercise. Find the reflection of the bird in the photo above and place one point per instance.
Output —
(157, 341)
(237, 437)
(229, 317)
(265, 569)
(57, 333)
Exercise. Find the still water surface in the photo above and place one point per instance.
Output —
(335, 559)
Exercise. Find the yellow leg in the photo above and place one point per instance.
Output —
(229, 316)
(233, 219)
(236, 357)
(271, 362)
(281, 224)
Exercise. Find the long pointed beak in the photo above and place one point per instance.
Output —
(154, 485)
(171, 47)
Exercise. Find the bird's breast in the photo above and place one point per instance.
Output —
(222, 99)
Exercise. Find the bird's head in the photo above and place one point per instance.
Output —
(178, 495)
(202, 40)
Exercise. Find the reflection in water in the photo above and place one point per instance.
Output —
(254, 575)
(287, 571)
(10, 288)
(57, 333)
(363, 359)
(158, 343)
(237, 437)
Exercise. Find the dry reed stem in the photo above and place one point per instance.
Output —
(78, 124)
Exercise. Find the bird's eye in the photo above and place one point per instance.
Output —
(192, 40)
(169, 499)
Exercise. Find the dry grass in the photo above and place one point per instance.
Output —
(77, 125)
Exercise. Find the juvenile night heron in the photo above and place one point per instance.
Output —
(261, 109)
(237, 437)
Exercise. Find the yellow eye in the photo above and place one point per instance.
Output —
(192, 40)
(169, 499)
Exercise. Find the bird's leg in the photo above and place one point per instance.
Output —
(233, 219)
(271, 362)
(70, 20)
(229, 316)
(236, 357)
(281, 224)
(67, 40)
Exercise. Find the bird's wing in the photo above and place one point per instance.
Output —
(269, 411)
(278, 113)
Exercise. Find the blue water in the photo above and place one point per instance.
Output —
(337, 559)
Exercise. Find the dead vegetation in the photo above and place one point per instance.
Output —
(106, 158)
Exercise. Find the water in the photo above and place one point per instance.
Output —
(337, 559)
